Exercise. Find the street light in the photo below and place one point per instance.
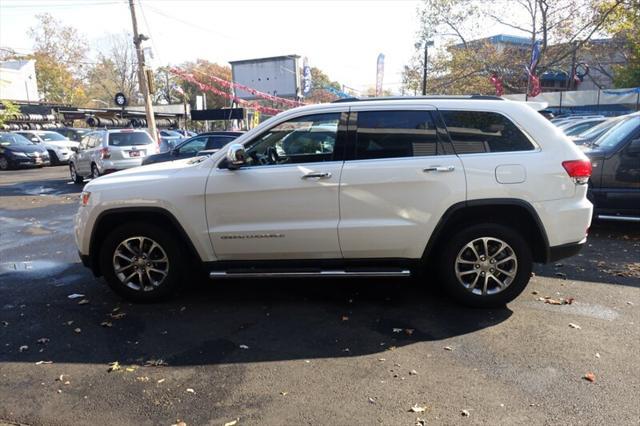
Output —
(427, 43)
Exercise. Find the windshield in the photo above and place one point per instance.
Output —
(580, 128)
(51, 136)
(13, 139)
(618, 133)
(596, 130)
(129, 138)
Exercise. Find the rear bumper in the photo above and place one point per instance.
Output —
(565, 250)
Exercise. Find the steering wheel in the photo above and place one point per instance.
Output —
(272, 155)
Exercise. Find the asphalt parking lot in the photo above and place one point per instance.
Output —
(306, 352)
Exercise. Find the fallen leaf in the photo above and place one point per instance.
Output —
(113, 366)
(43, 340)
(420, 422)
(372, 401)
(418, 409)
(142, 378)
(413, 372)
(561, 275)
(179, 423)
(448, 348)
(119, 315)
(106, 324)
(382, 359)
(182, 309)
(161, 380)
(409, 331)
(155, 363)
(243, 347)
(576, 326)
(6, 323)
(534, 292)
(465, 413)
(23, 348)
(232, 422)
(283, 393)
(597, 355)
(590, 377)
(75, 296)
(69, 322)
(190, 390)
(345, 318)
(44, 362)
(397, 330)
(83, 302)
(130, 369)
(78, 330)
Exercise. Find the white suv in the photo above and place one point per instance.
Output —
(474, 188)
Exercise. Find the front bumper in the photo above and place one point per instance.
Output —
(29, 161)
(565, 250)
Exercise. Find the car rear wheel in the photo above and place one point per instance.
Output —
(75, 177)
(142, 262)
(485, 265)
(95, 173)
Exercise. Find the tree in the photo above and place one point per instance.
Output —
(201, 70)
(60, 54)
(115, 71)
(563, 27)
(8, 110)
(318, 94)
(625, 27)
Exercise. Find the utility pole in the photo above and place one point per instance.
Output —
(427, 43)
(142, 75)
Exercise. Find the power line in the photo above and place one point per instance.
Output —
(58, 6)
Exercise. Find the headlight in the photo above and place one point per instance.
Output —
(18, 154)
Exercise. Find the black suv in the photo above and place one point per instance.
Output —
(614, 188)
(204, 143)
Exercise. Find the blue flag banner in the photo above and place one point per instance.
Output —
(306, 78)
(535, 57)
(338, 93)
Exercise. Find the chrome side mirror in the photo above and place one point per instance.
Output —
(235, 156)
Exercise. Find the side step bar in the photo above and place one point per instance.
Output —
(619, 218)
(310, 274)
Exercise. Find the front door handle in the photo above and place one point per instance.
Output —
(439, 169)
(317, 175)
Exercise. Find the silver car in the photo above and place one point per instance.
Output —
(106, 151)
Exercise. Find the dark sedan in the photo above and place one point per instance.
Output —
(210, 142)
(18, 151)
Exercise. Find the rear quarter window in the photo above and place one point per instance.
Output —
(474, 132)
(129, 139)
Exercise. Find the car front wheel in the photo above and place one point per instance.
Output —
(142, 262)
(75, 177)
(485, 265)
(4, 164)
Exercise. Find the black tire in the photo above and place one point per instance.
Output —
(453, 248)
(95, 173)
(4, 164)
(173, 250)
(54, 158)
(75, 177)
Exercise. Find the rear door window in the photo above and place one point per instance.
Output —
(474, 132)
(129, 138)
(393, 134)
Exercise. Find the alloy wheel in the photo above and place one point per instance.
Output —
(140, 263)
(486, 266)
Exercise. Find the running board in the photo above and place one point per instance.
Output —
(311, 274)
(619, 218)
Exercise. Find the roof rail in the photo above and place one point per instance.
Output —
(409, 98)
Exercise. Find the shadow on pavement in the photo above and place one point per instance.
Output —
(611, 256)
(226, 322)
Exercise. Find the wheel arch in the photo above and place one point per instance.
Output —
(515, 213)
(113, 217)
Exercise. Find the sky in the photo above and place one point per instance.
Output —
(343, 38)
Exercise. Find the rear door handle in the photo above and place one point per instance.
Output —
(317, 175)
(439, 169)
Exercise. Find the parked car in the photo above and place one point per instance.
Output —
(169, 139)
(468, 190)
(73, 133)
(18, 151)
(106, 151)
(590, 135)
(564, 118)
(614, 188)
(59, 147)
(204, 143)
(575, 127)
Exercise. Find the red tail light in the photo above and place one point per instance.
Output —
(105, 153)
(579, 170)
